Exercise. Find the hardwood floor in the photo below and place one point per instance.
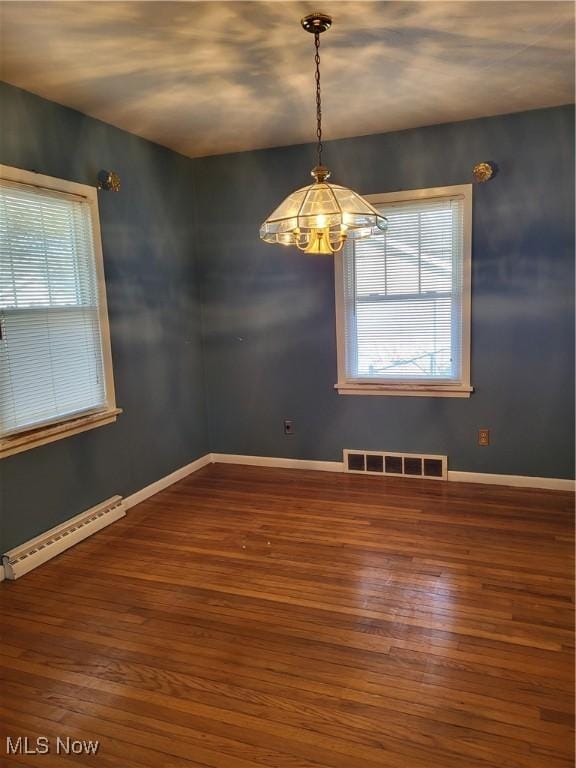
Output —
(251, 617)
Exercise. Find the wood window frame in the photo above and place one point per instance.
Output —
(26, 439)
(461, 388)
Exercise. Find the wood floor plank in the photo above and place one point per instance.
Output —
(251, 618)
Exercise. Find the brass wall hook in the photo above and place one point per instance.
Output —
(109, 181)
(484, 171)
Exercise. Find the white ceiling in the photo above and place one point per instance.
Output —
(214, 77)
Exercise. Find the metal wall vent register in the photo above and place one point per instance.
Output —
(424, 466)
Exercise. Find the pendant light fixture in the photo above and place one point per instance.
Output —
(321, 217)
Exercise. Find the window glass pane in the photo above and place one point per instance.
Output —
(50, 352)
(409, 338)
(370, 264)
(437, 240)
(401, 251)
(403, 297)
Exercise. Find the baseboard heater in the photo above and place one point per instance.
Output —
(33, 553)
(424, 466)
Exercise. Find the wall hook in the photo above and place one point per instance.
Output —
(109, 181)
(484, 171)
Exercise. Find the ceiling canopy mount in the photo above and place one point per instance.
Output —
(316, 22)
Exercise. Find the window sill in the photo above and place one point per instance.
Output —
(403, 390)
(25, 441)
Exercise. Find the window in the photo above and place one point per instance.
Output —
(403, 298)
(55, 363)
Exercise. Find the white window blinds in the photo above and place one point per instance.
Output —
(403, 295)
(51, 364)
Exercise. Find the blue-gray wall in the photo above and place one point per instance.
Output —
(268, 312)
(153, 303)
(182, 252)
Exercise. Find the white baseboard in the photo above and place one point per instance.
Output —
(519, 481)
(273, 461)
(164, 482)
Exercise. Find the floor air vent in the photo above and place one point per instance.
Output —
(33, 553)
(397, 464)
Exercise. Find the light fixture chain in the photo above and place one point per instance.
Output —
(318, 97)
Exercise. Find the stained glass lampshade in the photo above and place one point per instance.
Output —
(320, 218)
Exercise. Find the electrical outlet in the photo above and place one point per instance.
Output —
(288, 427)
(483, 437)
